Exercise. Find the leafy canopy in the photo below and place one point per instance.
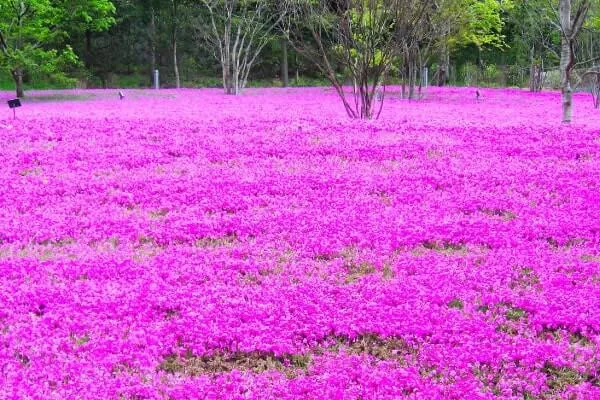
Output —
(34, 33)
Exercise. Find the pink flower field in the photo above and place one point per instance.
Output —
(190, 245)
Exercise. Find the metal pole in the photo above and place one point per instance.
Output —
(425, 77)
(156, 80)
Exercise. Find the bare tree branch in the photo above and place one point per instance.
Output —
(239, 31)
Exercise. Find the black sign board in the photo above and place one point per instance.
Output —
(14, 103)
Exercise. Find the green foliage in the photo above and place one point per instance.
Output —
(116, 43)
(481, 23)
(456, 303)
(81, 15)
(593, 22)
(33, 34)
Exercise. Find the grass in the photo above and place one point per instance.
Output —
(7, 83)
(457, 304)
(390, 348)
(559, 378)
(515, 314)
(57, 97)
(356, 268)
(140, 81)
(81, 340)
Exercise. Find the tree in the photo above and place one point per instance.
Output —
(363, 37)
(175, 6)
(464, 23)
(415, 42)
(482, 23)
(446, 20)
(570, 24)
(236, 31)
(32, 34)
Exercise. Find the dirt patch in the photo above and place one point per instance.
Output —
(389, 348)
(160, 213)
(590, 258)
(559, 378)
(566, 244)
(442, 247)
(291, 365)
(506, 215)
(227, 240)
(562, 335)
(256, 362)
(525, 278)
(356, 266)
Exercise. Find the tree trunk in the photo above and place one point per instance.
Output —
(535, 79)
(152, 44)
(403, 92)
(565, 83)
(18, 78)
(404, 73)
(536, 71)
(422, 78)
(444, 69)
(235, 71)
(532, 70)
(596, 91)
(285, 75)
(226, 59)
(566, 60)
(226, 78)
(236, 81)
(175, 66)
(175, 63)
(412, 76)
(174, 43)
(88, 47)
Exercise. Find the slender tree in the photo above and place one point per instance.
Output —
(174, 30)
(237, 31)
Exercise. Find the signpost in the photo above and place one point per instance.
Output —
(14, 104)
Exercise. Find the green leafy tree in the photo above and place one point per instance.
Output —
(482, 23)
(34, 34)
(463, 23)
